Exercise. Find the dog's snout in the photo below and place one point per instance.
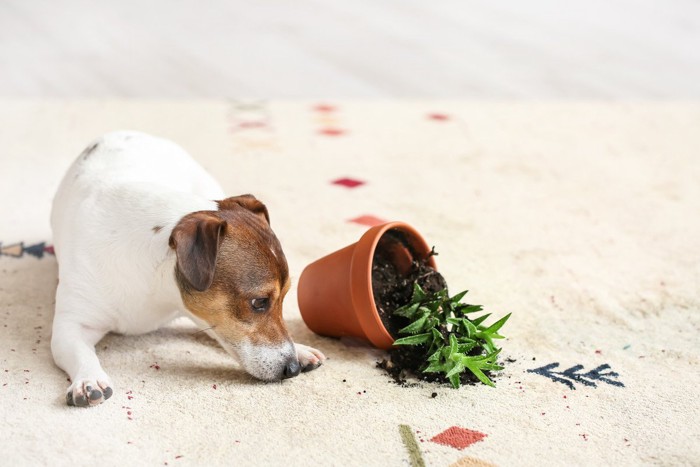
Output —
(291, 369)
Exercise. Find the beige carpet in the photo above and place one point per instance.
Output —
(580, 219)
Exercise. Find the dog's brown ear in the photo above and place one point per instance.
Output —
(196, 240)
(249, 202)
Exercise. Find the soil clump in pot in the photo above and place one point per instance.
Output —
(392, 288)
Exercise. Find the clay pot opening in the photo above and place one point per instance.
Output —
(336, 294)
(399, 261)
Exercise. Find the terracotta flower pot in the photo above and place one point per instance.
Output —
(335, 292)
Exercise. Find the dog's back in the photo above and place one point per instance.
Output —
(128, 158)
(107, 219)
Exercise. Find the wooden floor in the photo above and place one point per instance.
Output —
(536, 49)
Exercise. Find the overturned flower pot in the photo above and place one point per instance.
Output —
(336, 295)
(386, 290)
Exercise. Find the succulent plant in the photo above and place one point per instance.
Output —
(453, 342)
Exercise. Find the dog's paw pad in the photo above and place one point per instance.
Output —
(311, 366)
(88, 393)
(94, 394)
(309, 358)
(80, 400)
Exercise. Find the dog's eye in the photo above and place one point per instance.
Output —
(260, 304)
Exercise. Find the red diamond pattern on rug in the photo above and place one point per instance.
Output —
(324, 108)
(368, 220)
(438, 117)
(348, 182)
(458, 437)
(332, 131)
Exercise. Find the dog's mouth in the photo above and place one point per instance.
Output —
(264, 362)
(269, 363)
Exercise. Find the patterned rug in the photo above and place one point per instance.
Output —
(580, 219)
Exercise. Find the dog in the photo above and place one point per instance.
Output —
(142, 235)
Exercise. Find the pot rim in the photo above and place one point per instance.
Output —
(361, 276)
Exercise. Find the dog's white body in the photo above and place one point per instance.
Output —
(118, 270)
(111, 219)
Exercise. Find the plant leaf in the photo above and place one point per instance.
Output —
(469, 328)
(437, 342)
(498, 324)
(435, 367)
(432, 322)
(432, 306)
(434, 357)
(458, 368)
(480, 319)
(464, 309)
(407, 311)
(453, 345)
(418, 293)
(480, 374)
(414, 340)
(491, 367)
(416, 326)
(454, 380)
(457, 298)
(469, 359)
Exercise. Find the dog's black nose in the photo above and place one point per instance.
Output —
(292, 369)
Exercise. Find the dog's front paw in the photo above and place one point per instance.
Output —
(86, 392)
(309, 358)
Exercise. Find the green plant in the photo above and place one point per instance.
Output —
(452, 342)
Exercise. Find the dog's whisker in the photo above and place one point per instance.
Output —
(203, 330)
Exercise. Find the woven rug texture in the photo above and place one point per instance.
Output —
(581, 219)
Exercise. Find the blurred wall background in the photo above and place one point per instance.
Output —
(509, 49)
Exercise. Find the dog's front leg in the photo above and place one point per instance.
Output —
(309, 358)
(73, 347)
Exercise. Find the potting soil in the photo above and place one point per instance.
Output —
(392, 290)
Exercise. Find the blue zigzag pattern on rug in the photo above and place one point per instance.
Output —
(19, 249)
(571, 375)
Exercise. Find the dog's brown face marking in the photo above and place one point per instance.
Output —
(157, 228)
(232, 272)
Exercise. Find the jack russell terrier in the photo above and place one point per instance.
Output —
(140, 241)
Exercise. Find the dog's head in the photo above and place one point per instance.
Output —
(233, 275)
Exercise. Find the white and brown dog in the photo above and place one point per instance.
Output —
(140, 241)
